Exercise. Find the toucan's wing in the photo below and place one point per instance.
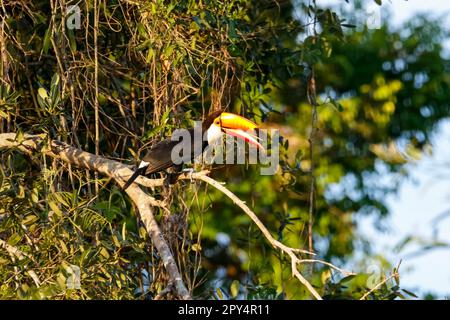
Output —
(159, 157)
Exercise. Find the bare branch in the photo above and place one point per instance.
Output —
(288, 250)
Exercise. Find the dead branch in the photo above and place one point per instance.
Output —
(288, 250)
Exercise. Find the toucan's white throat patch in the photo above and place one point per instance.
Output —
(214, 133)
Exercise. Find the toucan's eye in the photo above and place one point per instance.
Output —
(216, 122)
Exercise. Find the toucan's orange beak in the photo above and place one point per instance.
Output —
(238, 126)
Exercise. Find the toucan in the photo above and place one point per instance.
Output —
(159, 156)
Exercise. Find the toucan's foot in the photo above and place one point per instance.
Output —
(173, 174)
(173, 177)
(191, 171)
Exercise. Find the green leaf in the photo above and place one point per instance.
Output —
(47, 42)
(52, 204)
(409, 293)
(147, 44)
(124, 231)
(150, 55)
(232, 30)
(165, 116)
(72, 40)
(14, 239)
(19, 136)
(30, 219)
(219, 293)
(347, 278)
(169, 50)
(234, 288)
(54, 88)
(152, 132)
(336, 105)
(42, 93)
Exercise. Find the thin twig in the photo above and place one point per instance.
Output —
(311, 95)
(13, 251)
(393, 275)
(332, 266)
(96, 107)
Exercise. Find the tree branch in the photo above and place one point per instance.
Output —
(276, 244)
(14, 252)
(117, 171)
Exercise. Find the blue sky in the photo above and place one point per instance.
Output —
(419, 201)
(425, 195)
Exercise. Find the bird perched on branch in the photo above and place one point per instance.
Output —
(161, 156)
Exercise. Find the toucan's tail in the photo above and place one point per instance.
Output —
(136, 174)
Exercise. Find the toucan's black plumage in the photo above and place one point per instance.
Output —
(159, 156)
